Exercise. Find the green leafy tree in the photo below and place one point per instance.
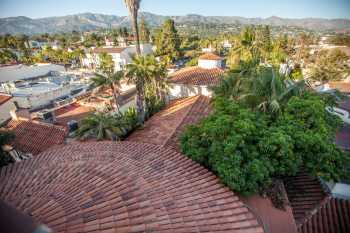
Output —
(6, 56)
(168, 42)
(247, 148)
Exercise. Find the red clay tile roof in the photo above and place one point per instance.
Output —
(123, 187)
(341, 86)
(210, 56)
(4, 98)
(165, 127)
(200, 109)
(305, 193)
(332, 216)
(108, 50)
(74, 111)
(275, 220)
(197, 76)
(35, 137)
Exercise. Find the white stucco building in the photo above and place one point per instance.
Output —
(39, 85)
(6, 105)
(121, 55)
(197, 80)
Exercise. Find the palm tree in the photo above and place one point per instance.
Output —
(112, 81)
(158, 76)
(261, 88)
(108, 78)
(140, 73)
(101, 126)
(133, 7)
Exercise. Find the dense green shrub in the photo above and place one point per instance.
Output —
(247, 148)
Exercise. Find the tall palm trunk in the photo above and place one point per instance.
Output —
(133, 7)
(115, 98)
(140, 102)
(137, 35)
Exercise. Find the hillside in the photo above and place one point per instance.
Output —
(91, 21)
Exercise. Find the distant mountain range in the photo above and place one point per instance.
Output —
(91, 21)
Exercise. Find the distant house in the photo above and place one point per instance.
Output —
(109, 41)
(121, 55)
(197, 80)
(227, 44)
(33, 44)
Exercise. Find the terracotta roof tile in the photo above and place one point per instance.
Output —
(305, 193)
(72, 112)
(210, 56)
(197, 76)
(199, 110)
(4, 98)
(333, 215)
(341, 86)
(165, 127)
(109, 50)
(35, 137)
(123, 187)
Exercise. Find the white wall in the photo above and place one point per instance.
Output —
(22, 72)
(178, 91)
(120, 59)
(209, 64)
(5, 109)
(35, 101)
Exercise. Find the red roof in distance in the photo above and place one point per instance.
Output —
(197, 76)
(210, 56)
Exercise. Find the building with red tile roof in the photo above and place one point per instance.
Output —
(197, 80)
(210, 56)
(109, 50)
(123, 187)
(197, 76)
(70, 112)
(34, 137)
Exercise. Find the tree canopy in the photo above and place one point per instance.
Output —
(168, 42)
(247, 148)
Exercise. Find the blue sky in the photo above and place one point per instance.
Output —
(246, 8)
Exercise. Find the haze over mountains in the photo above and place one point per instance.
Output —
(92, 21)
